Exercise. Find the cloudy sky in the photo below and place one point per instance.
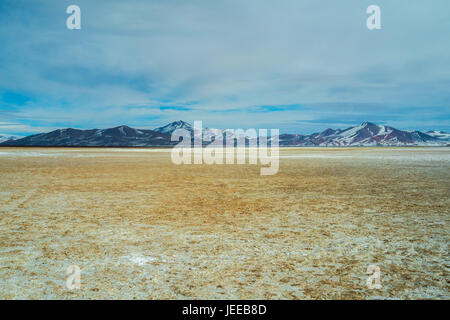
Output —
(297, 65)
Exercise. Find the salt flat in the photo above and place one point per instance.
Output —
(141, 227)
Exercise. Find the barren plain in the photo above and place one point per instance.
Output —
(140, 227)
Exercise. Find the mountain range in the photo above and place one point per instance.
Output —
(365, 134)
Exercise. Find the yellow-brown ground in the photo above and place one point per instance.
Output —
(141, 227)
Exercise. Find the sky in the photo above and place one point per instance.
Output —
(297, 65)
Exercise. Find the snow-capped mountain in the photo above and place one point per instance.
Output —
(365, 134)
(207, 133)
(441, 135)
(6, 137)
(171, 127)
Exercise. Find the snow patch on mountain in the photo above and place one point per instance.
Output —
(171, 127)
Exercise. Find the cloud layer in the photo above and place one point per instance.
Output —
(296, 65)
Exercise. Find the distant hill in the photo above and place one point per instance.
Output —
(365, 134)
(6, 137)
